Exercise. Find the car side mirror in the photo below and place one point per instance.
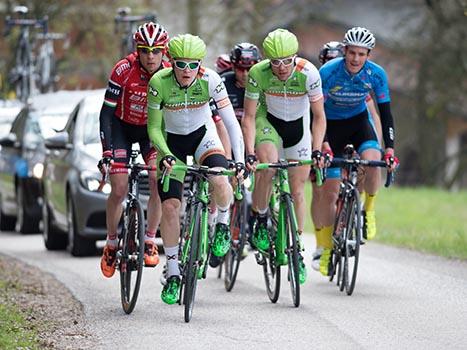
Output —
(9, 141)
(58, 141)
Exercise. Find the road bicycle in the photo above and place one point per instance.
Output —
(22, 75)
(130, 254)
(347, 234)
(194, 234)
(238, 231)
(127, 25)
(46, 65)
(284, 240)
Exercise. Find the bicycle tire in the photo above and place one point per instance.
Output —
(191, 268)
(131, 259)
(238, 233)
(271, 270)
(292, 252)
(184, 234)
(352, 242)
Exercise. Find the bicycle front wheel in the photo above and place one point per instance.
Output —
(191, 267)
(292, 252)
(131, 258)
(352, 242)
(238, 233)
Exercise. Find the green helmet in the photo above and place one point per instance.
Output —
(187, 46)
(280, 43)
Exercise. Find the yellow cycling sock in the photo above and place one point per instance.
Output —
(325, 236)
(318, 237)
(370, 202)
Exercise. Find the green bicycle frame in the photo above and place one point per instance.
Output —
(282, 186)
(202, 196)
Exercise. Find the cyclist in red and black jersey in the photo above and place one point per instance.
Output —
(123, 121)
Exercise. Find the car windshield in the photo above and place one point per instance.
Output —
(91, 127)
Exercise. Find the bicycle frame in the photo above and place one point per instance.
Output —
(281, 185)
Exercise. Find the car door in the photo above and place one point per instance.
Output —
(59, 166)
(11, 163)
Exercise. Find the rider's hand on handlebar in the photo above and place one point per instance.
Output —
(318, 159)
(328, 156)
(167, 162)
(240, 170)
(251, 161)
(391, 160)
(105, 162)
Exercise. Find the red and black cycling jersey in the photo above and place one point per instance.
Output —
(236, 94)
(126, 97)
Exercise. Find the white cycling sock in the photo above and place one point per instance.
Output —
(172, 261)
(224, 215)
(212, 217)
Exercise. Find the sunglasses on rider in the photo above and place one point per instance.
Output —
(149, 49)
(276, 62)
(191, 65)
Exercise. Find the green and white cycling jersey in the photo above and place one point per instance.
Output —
(287, 100)
(283, 114)
(182, 110)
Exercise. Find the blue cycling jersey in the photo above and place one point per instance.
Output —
(345, 94)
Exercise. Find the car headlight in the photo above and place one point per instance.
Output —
(91, 181)
(38, 170)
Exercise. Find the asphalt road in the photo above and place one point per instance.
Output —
(403, 300)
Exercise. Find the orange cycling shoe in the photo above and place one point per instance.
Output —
(151, 256)
(109, 256)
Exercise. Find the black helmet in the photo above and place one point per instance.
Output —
(245, 55)
(331, 50)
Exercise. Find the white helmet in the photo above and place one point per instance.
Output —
(358, 36)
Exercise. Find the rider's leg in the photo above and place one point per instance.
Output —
(371, 185)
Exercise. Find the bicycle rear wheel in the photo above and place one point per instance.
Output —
(191, 267)
(131, 258)
(292, 252)
(352, 242)
(238, 233)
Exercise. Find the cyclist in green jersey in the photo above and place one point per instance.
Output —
(276, 123)
(180, 124)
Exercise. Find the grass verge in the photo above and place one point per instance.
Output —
(424, 219)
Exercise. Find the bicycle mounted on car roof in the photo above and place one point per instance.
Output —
(127, 44)
(22, 75)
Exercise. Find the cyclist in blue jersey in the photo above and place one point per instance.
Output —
(329, 51)
(346, 83)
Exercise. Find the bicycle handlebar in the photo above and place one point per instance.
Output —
(343, 162)
(26, 22)
(194, 169)
(133, 166)
(284, 164)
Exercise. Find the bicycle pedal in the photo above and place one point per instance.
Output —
(260, 260)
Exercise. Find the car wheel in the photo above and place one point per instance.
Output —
(7, 223)
(77, 245)
(53, 238)
(24, 222)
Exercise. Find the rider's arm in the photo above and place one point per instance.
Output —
(381, 90)
(155, 116)
(221, 130)
(387, 123)
(250, 105)
(319, 123)
(105, 127)
(375, 116)
(224, 136)
(112, 95)
(219, 94)
(315, 94)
